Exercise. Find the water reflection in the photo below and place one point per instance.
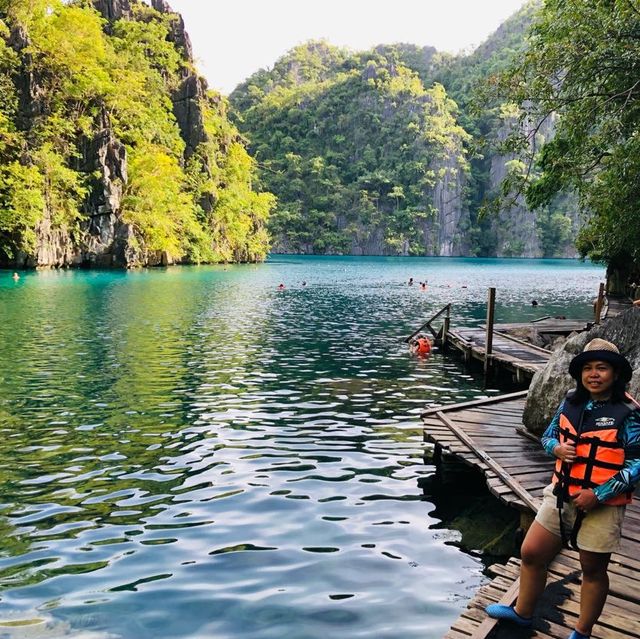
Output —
(195, 453)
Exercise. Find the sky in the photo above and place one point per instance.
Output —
(234, 38)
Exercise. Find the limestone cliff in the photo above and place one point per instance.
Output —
(518, 229)
(113, 9)
(357, 169)
(188, 99)
(445, 235)
(89, 141)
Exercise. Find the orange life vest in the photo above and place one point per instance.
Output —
(423, 346)
(599, 452)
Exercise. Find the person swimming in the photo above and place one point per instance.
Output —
(15, 276)
(420, 345)
(410, 281)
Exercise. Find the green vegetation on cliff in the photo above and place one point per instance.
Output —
(387, 151)
(354, 146)
(583, 68)
(69, 79)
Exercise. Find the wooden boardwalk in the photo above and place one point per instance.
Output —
(488, 435)
(548, 325)
(497, 349)
(510, 353)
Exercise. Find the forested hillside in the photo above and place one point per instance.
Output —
(579, 75)
(386, 152)
(112, 150)
(359, 151)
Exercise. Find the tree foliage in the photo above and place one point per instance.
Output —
(353, 145)
(583, 67)
(81, 74)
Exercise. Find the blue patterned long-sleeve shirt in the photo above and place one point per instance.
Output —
(624, 480)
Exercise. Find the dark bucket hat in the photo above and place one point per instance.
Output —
(602, 351)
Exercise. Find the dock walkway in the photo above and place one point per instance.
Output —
(515, 355)
(488, 434)
(548, 326)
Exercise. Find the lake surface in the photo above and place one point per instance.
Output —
(192, 452)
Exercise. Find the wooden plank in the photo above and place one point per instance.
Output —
(475, 402)
(537, 349)
(489, 623)
(509, 481)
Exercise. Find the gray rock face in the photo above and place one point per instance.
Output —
(550, 385)
(29, 86)
(54, 246)
(105, 240)
(187, 108)
(365, 241)
(113, 9)
(516, 227)
(189, 97)
(178, 34)
(443, 236)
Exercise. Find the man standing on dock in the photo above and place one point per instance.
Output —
(595, 436)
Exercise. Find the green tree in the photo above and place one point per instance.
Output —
(554, 232)
(583, 65)
(83, 77)
(353, 146)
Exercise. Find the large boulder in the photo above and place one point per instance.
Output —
(550, 385)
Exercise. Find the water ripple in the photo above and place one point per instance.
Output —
(192, 453)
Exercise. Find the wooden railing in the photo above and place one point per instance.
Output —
(441, 335)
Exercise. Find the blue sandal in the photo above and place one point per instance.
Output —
(578, 635)
(507, 613)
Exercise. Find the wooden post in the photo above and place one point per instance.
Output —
(599, 303)
(446, 325)
(488, 343)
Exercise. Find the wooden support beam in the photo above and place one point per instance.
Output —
(599, 304)
(474, 402)
(488, 344)
(446, 325)
(542, 351)
(445, 309)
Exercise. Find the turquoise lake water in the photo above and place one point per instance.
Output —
(191, 452)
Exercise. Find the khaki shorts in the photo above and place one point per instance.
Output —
(600, 530)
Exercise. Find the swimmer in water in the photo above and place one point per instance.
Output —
(281, 286)
(410, 281)
(420, 345)
(15, 276)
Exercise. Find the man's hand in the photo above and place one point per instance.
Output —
(565, 452)
(585, 500)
